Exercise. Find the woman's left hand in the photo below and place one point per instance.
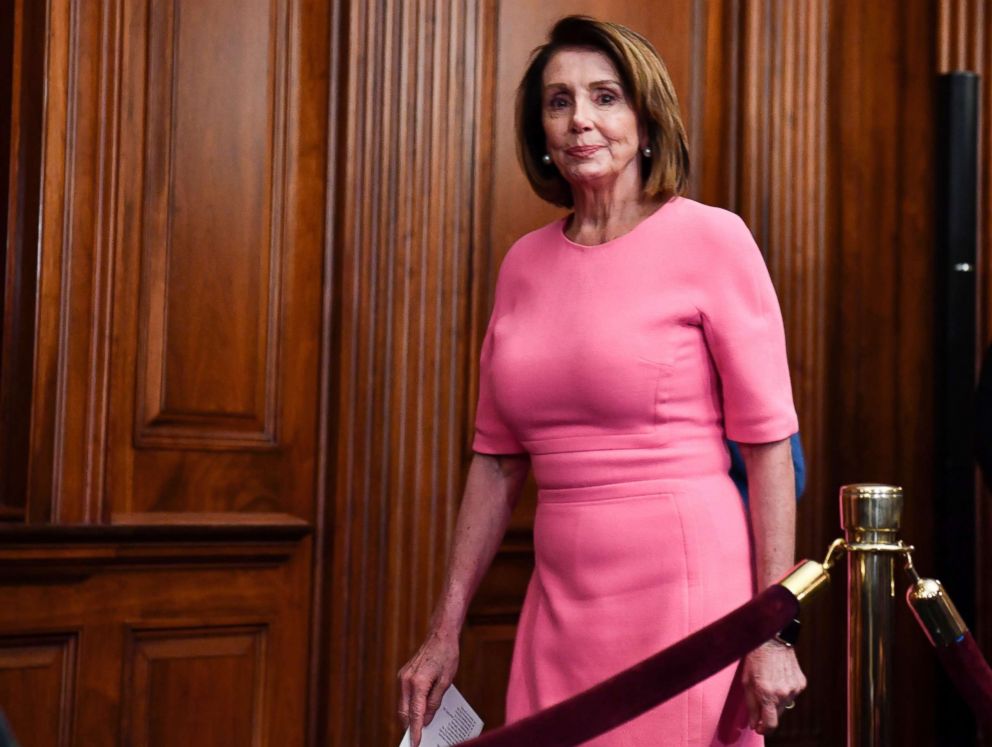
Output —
(772, 680)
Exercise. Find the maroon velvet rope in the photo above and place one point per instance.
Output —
(970, 673)
(654, 680)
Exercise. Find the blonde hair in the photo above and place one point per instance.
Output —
(647, 85)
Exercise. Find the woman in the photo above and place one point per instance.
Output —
(627, 341)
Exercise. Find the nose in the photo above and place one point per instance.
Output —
(581, 116)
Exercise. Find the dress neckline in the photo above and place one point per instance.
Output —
(662, 208)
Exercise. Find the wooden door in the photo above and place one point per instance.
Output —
(156, 562)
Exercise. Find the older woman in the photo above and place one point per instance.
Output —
(627, 341)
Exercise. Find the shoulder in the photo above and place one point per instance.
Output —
(718, 256)
(529, 250)
(711, 229)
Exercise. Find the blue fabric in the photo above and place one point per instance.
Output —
(738, 472)
(6, 737)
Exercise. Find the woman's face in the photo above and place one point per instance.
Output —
(591, 131)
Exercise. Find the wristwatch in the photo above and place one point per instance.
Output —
(789, 635)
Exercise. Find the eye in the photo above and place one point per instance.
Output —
(606, 98)
(558, 102)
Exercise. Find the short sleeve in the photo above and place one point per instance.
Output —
(742, 322)
(492, 434)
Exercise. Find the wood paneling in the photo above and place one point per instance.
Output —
(215, 677)
(38, 686)
(181, 259)
(196, 641)
(211, 215)
(175, 157)
(407, 174)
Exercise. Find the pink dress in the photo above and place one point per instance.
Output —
(620, 368)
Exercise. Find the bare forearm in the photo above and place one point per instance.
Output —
(772, 500)
(491, 492)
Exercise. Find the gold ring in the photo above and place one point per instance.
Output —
(791, 706)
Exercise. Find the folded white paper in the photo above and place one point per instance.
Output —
(454, 722)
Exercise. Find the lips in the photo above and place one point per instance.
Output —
(582, 151)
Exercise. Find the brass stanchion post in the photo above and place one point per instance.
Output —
(870, 518)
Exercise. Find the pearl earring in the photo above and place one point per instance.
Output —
(647, 152)
(546, 159)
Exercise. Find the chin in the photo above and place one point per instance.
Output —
(588, 175)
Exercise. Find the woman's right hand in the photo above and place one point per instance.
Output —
(424, 679)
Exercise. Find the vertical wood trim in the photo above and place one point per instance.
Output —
(27, 62)
(77, 246)
(407, 265)
(319, 665)
(782, 187)
(103, 267)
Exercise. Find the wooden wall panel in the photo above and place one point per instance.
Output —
(38, 686)
(181, 259)
(174, 404)
(216, 677)
(211, 203)
(241, 246)
(414, 102)
(198, 641)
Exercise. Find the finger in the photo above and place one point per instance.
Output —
(753, 708)
(769, 718)
(417, 705)
(434, 700)
(404, 707)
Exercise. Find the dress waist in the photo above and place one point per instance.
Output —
(606, 469)
(704, 485)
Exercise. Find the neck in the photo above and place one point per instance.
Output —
(604, 212)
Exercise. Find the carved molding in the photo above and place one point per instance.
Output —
(415, 93)
(782, 193)
(32, 553)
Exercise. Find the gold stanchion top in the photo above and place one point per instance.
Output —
(869, 507)
(805, 579)
(935, 612)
